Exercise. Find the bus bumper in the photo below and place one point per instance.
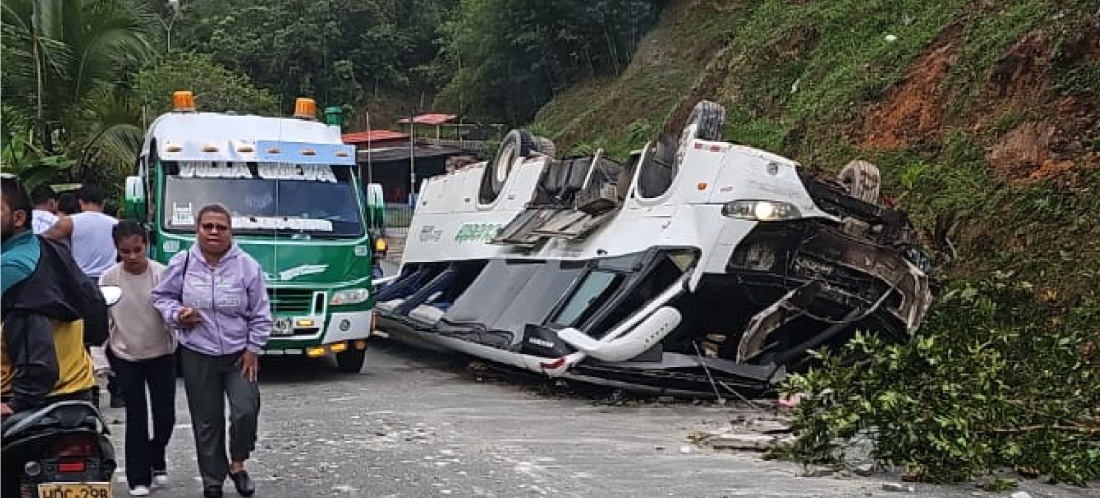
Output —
(343, 328)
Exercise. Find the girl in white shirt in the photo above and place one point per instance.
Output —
(142, 350)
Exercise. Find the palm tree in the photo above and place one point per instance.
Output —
(64, 61)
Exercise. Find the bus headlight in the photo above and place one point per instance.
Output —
(349, 296)
(761, 210)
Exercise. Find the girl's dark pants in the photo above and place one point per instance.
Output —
(144, 455)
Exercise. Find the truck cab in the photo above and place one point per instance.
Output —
(298, 207)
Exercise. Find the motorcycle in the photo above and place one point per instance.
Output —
(63, 446)
(379, 253)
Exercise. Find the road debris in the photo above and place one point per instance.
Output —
(745, 434)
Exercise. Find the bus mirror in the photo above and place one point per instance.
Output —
(135, 198)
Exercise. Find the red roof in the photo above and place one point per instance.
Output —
(362, 137)
(429, 119)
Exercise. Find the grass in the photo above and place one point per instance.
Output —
(986, 40)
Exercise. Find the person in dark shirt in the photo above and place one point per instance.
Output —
(42, 355)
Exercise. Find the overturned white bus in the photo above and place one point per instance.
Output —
(697, 267)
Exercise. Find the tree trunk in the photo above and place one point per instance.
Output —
(40, 118)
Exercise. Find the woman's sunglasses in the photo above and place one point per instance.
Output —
(209, 227)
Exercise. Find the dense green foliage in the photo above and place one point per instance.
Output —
(82, 77)
(506, 58)
(336, 51)
(62, 62)
(215, 87)
(997, 379)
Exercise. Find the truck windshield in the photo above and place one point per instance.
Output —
(264, 198)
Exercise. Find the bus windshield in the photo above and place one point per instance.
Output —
(264, 198)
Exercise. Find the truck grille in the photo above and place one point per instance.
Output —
(292, 301)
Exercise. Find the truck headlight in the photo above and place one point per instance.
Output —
(349, 296)
(761, 210)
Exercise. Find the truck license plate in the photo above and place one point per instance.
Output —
(75, 490)
(282, 326)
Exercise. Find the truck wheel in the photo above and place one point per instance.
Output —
(705, 123)
(351, 361)
(517, 143)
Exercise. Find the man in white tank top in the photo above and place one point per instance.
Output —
(90, 232)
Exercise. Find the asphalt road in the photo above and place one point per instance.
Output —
(419, 424)
(414, 424)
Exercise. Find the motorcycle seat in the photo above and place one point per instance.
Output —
(64, 414)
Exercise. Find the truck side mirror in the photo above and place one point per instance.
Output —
(135, 198)
(376, 207)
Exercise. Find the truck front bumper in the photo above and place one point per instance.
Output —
(341, 327)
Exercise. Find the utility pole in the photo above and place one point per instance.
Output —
(412, 161)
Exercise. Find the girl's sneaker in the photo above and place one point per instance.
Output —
(139, 491)
(160, 477)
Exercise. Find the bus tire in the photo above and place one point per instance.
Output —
(705, 123)
(351, 360)
(517, 143)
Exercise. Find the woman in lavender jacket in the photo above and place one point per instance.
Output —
(214, 294)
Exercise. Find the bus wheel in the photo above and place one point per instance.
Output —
(516, 144)
(350, 361)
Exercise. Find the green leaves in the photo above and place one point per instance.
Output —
(335, 51)
(981, 388)
(216, 88)
(65, 65)
(509, 57)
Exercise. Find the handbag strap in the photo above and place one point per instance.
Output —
(183, 278)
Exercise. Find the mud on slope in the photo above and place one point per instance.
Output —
(912, 114)
(1036, 121)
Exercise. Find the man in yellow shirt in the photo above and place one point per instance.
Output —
(42, 351)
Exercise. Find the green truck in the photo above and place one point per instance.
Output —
(298, 207)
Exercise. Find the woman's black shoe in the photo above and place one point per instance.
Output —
(243, 483)
(212, 492)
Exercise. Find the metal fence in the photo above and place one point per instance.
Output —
(398, 218)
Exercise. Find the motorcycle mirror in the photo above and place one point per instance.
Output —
(111, 293)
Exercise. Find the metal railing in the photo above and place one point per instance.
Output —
(466, 145)
(398, 218)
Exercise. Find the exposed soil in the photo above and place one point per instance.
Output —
(1057, 146)
(1051, 133)
(912, 114)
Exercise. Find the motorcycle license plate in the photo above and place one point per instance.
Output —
(75, 490)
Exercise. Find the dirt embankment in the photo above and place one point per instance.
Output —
(1035, 118)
